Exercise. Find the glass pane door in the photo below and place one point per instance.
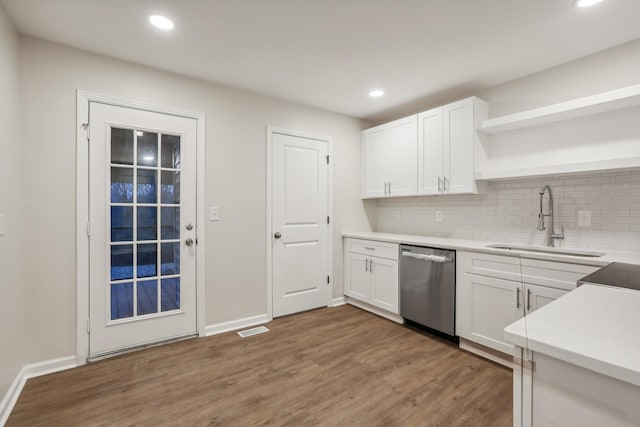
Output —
(144, 270)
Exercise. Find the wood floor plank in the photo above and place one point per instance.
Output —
(337, 366)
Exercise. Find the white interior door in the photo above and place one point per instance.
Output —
(299, 223)
(142, 213)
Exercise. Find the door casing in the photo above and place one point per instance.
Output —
(270, 131)
(82, 209)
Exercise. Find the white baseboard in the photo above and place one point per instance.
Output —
(31, 371)
(488, 353)
(233, 325)
(338, 301)
(375, 310)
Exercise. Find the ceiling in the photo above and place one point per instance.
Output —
(330, 53)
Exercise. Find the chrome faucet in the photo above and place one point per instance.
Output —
(550, 232)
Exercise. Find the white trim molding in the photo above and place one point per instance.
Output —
(83, 98)
(270, 131)
(338, 301)
(31, 371)
(233, 325)
(375, 310)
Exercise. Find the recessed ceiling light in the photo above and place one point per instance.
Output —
(376, 93)
(586, 3)
(161, 22)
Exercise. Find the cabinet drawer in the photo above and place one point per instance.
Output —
(372, 248)
(500, 267)
(552, 274)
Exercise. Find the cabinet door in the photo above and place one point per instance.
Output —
(458, 147)
(539, 296)
(384, 284)
(374, 161)
(357, 277)
(401, 157)
(485, 306)
(430, 151)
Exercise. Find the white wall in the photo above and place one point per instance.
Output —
(507, 212)
(235, 181)
(11, 307)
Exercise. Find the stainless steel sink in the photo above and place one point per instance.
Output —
(543, 250)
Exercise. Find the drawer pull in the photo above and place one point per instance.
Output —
(370, 248)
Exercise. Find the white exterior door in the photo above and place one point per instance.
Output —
(142, 192)
(299, 223)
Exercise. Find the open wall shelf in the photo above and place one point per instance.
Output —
(567, 168)
(617, 99)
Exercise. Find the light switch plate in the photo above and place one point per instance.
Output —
(2, 229)
(439, 216)
(583, 219)
(214, 213)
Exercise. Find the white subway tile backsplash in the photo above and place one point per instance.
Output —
(508, 212)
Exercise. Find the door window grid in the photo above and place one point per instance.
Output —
(139, 288)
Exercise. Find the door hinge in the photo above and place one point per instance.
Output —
(328, 220)
(85, 126)
(327, 156)
(328, 280)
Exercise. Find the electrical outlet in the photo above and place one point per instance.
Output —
(439, 216)
(397, 214)
(214, 213)
(583, 219)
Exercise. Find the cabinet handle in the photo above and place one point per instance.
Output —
(439, 185)
(385, 188)
(444, 184)
(389, 187)
(528, 299)
(370, 266)
(366, 265)
(517, 297)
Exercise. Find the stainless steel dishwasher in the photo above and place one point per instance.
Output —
(428, 287)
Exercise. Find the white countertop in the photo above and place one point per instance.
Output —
(595, 327)
(480, 246)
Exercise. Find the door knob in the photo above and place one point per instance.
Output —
(277, 235)
(189, 241)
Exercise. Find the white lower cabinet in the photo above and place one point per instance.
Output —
(358, 284)
(487, 301)
(372, 279)
(485, 306)
(384, 284)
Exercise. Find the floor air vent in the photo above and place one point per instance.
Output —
(253, 331)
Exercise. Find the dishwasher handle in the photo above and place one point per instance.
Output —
(423, 257)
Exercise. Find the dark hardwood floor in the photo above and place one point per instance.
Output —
(337, 366)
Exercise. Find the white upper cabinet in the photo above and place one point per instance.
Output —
(448, 147)
(389, 159)
(430, 151)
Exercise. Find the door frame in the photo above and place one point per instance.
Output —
(83, 98)
(329, 140)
